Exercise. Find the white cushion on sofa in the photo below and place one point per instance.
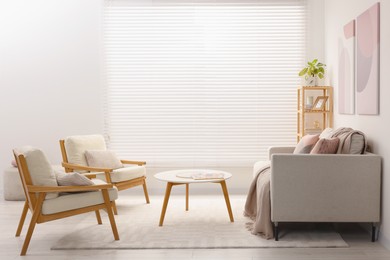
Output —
(71, 201)
(125, 174)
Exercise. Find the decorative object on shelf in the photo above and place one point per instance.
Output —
(319, 116)
(367, 61)
(347, 69)
(313, 71)
(316, 124)
(309, 102)
(319, 104)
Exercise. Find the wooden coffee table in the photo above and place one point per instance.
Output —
(183, 177)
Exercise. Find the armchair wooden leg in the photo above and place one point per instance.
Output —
(33, 222)
(146, 192)
(22, 219)
(373, 233)
(114, 208)
(110, 214)
(99, 219)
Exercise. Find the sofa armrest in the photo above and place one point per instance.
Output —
(325, 188)
(280, 149)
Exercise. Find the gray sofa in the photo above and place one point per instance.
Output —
(324, 188)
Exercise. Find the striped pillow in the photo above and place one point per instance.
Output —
(326, 146)
(306, 144)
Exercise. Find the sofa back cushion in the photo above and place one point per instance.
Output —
(306, 144)
(351, 141)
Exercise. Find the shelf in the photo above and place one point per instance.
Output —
(314, 111)
(307, 118)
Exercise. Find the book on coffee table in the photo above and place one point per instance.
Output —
(207, 175)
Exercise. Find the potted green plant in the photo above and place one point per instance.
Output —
(313, 71)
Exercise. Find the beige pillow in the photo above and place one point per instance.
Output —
(326, 146)
(103, 159)
(72, 179)
(306, 144)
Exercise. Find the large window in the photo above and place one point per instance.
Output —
(202, 83)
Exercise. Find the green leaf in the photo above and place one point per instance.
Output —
(320, 75)
(321, 69)
(314, 61)
(302, 72)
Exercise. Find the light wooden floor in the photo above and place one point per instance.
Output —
(48, 233)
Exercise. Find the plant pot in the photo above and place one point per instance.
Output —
(312, 81)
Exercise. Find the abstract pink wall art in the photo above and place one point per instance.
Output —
(367, 58)
(346, 73)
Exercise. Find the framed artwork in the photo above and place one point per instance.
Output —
(346, 80)
(319, 104)
(367, 61)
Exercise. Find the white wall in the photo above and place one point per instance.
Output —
(50, 76)
(337, 14)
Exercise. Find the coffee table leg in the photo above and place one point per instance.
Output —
(165, 204)
(187, 195)
(226, 194)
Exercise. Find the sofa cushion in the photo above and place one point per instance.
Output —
(40, 170)
(326, 146)
(69, 201)
(306, 144)
(124, 174)
(326, 133)
(356, 141)
(102, 159)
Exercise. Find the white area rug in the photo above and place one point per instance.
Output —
(205, 225)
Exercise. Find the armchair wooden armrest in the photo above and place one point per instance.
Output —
(33, 188)
(85, 168)
(133, 162)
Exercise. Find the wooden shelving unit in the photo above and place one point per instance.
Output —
(311, 121)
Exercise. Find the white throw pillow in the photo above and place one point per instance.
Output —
(103, 159)
(72, 179)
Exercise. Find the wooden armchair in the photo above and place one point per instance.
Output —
(43, 196)
(73, 150)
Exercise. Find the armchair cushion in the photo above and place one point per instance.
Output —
(102, 159)
(125, 174)
(77, 145)
(72, 179)
(41, 172)
(69, 201)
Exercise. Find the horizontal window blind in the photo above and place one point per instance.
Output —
(200, 84)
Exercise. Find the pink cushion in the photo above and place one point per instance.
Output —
(306, 144)
(326, 146)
